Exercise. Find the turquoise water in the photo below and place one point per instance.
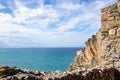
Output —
(44, 59)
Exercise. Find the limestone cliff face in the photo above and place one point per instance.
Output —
(103, 49)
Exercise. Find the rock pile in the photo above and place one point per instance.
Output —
(13, 73)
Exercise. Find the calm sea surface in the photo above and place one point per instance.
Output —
(44, 59)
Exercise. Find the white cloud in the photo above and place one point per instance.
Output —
(2, 6)
(41, 15)
(5, 17)
(73, 22)
(49, 25)
(12, 35)
(70, 6)
(13, 30)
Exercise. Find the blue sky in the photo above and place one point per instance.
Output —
(49, 23)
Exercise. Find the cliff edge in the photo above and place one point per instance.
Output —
(103, 49)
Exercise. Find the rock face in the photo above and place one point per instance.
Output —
(8, 71)
(103, 49)
(99, 60)
(13, 73)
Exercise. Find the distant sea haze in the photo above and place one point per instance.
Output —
(43, 59)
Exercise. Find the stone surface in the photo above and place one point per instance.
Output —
(104, 17)
(8, 71)
(102, 49)
(82, 74)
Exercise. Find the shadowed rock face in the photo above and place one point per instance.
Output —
(102, 49)
(99, 60)
(8, 71)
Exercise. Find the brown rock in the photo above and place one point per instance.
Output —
(112, 32)
(14, 78)
(104, 17)
(97, 51)
(8, 71)
(118, 32)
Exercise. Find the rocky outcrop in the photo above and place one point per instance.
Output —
(103, 49)
(98, 60)
(8, 71)
(13, 73)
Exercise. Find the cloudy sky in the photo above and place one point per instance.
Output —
(49, 23)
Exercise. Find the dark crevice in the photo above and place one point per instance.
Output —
(117, 74)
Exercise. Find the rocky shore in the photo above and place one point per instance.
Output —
(13, 73)
(98, 60)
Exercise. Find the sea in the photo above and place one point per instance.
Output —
(43, 59)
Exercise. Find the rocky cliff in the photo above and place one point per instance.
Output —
(102, 49)
(98, 60)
